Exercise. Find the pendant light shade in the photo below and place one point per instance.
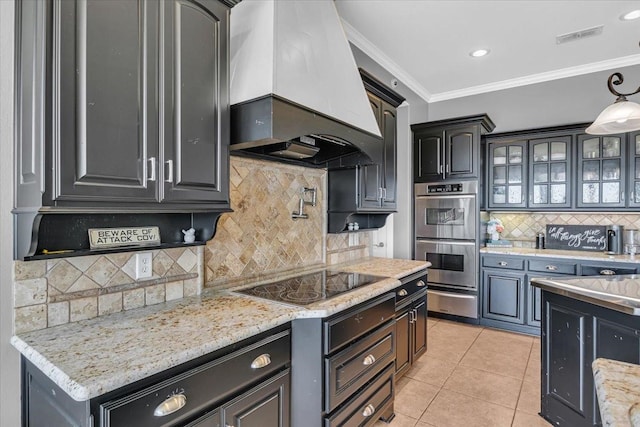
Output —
(622, 116)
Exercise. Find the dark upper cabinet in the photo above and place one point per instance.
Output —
(130, 115)
(508, 174)
(550, 172)
(633, 180)
(448, 149)
(601, 171)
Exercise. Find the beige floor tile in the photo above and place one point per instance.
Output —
(485, 385)
(431, 370)
(414, 398)
(446, 349)
(529, 400)
(401, 383)
(522, 419)
(517, 345)
(431, 323)
(451, 409)
(533, 371)
(496, 362)
(457, 329)
(399, 420)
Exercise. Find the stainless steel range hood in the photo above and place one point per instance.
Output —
(296, 93)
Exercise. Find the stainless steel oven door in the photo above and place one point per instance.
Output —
(453, 263)
(446, 216)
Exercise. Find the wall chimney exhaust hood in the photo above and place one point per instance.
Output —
(296, 92)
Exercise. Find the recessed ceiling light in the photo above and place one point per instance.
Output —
(479, 53)
(630, 16)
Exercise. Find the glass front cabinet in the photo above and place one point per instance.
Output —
(550, 172)
(634, 169)
(507, 175)
(601, 171)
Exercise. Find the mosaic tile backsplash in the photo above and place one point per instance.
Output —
(260, 238)
(57, 291)
(521, 228)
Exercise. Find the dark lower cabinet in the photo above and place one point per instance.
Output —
(411, 322)
(503, 296)
(574, 334)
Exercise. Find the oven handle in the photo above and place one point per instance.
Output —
(445, 196)
(445, 242)
(452, 295)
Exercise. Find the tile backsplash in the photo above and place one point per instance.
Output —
(521, 227)
(259, 240)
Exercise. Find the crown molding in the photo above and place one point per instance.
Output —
(538, 78)
(355, 37)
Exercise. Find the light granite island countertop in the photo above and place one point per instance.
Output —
(618, 390)
(92, 357)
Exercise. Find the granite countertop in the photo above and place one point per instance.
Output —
(618, 390)
(92, 357)
(620, 293)
(557, 253)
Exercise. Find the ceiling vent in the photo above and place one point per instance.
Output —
(578, 35)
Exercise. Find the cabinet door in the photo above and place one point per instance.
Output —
(461, 152)
(634, 169)
(370, 175)
(428, 155)
(195, 152)
(534, 306)
(266, 405)
(105, 132)
(389, 173)
(601, 171)
(567, 389)
(419, 328)
(503, 296)
(550, 172)
(403, 342)
(507, 174)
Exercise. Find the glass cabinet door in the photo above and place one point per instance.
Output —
(601, 171)
(507, 175)
(634, 169)
(549, 177)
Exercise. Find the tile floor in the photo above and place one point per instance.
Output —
(471, 376)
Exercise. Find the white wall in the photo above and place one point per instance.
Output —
(9, 360)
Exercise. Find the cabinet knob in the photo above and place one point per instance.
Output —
(369, 410)
(503, 263)
(403, 293)
(551, 267)
(421, 284)
(261, 361)
(170, 405)
(369, 360)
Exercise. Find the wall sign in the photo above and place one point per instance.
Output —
(102, 238)
(576, 237)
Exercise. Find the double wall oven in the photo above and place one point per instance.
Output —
(446, 234)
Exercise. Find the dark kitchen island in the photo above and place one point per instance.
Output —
(583, 319)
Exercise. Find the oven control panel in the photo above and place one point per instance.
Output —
(445, 188)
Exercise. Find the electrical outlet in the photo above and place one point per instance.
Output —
(144, 265)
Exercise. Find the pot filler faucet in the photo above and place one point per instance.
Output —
(312, 202)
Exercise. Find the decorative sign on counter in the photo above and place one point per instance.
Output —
(576, 237)
(104, 238)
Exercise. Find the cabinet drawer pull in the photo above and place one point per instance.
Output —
(551, 267)
(403, 293)
(369, 360)
(170, 405)
(152, 168)
(369, 410)
(421, 284)
(169, 176)
(503, 263)
(261, 361)
(607, 272)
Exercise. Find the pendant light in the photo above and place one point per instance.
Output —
(619, 117)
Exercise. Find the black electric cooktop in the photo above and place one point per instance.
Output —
(310, 288)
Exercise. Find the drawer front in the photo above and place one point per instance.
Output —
(366, 407)
(503, 262)
(350, 369)
(554, 267)
(599, 270)
(407, 290)
(200, 387)
(345, 328)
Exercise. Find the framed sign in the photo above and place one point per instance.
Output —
(576, 237)
(104, 238)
